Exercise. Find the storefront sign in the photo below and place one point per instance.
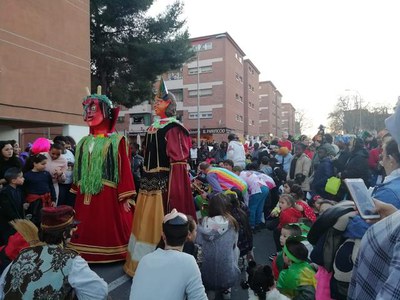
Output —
(211, 131)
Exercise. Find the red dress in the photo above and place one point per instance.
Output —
(103, 234)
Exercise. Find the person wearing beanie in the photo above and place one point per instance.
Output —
(284, 157)
(47, 269)
(298, 281)
(169, 273)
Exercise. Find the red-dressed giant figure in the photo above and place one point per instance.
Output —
(103, 184)
(165, 183)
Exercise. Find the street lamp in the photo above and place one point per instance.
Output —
(198, 95)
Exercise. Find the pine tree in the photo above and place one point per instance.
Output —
(129, 49)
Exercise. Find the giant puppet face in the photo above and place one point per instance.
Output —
(92, 113)
(160, 106)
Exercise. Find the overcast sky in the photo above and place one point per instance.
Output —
(312, 50)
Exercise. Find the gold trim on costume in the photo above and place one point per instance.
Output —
(109, 183)
(59, 226)
(158, 154)
(155, 170)
(98, 250)
(179, 163)
(156, 192)
(126, 194)
(87, 199)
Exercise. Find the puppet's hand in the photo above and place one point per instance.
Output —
(127, 205)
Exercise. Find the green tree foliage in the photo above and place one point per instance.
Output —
(129, 49)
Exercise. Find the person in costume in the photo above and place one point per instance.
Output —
(103, 184)
(48, 269)
(165, 183)
(298, 281)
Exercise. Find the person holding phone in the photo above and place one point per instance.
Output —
(376, 269)
(389, 190)
(375, 273)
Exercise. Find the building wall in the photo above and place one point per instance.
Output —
(229, 105)
(288, 118)
(251, 99)
(44, 61)
(270, 109)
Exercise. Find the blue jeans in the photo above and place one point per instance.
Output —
(256, 206)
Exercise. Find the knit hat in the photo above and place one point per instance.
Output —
(283, 151)
(57, 218)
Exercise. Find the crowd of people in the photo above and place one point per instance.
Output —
(197, 211)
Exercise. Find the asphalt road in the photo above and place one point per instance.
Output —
(119, 284)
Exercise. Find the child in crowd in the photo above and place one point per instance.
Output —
(261, 281)
(298, 281)
(56, 166)
(288, 214)
(38, 187)
(278, 263)
(217, 237)
(302, 205)
(238, 209)
(11, 203)
(265, 166)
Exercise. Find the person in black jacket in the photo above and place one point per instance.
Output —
(356, 165)
(11, 203)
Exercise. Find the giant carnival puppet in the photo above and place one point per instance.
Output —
(103, 184)
(165, 184)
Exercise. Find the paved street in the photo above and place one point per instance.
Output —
(120, 284)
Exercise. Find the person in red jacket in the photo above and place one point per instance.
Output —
(289, 214)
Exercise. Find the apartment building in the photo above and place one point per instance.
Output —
(270, 110)
(216, 92)
(288, 118)
(44, 67)
(251, 101)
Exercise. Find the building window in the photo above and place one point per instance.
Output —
(241, 99)
(203, 69)
(203, 92)
(137, 119)
(121, 119)
(239, 58)
(175, 75)
(252, 122)
(203, 115)
(178, 95)
(203, 47)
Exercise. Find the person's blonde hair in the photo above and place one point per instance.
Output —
(289, 199)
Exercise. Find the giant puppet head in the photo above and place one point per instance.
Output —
(165, 103)
(99, 113)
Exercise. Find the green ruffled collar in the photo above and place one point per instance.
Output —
(165, 121)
